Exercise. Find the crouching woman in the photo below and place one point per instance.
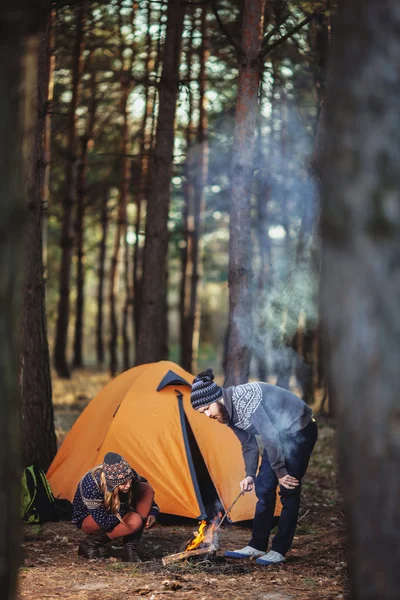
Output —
(113, 501)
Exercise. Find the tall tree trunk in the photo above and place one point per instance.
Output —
(101, 278)
(264, 275)
(149, 150)
(240, 269)
(45, 182)
(187, 216)
(20, 24)
(67, 227)
(361, 283)
(151, 346)
(145, 149)
(85, 141)
(39, 439)
(200, 182)
(122, 224)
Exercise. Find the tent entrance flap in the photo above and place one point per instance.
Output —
(185, 432)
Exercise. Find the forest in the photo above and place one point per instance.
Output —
(192, 185)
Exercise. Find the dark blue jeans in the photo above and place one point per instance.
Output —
(297, 450)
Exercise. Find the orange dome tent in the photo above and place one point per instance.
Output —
(145, 414)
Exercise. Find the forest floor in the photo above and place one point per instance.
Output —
(315, 567)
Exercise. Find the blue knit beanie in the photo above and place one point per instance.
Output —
(204, 390)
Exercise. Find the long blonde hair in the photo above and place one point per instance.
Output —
(112, 500)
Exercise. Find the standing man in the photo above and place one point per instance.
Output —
(288, 433)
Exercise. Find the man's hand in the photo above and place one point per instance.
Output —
(151, 521)
(246, 485)
(289, 482)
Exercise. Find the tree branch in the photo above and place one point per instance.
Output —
(268, 48)
(222, 27)
(275, 30)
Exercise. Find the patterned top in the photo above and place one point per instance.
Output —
(89, 500)
(246, 399)
(269, 411)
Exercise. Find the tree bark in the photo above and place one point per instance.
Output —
(240, 269)
(145, 149)
(187, 214)
(67, 228)
(198, 164)
(151, 346)
(39, 440)
(361, 283)
(45, 182)
(126, 83)
(85, 141)
(101, 278)
(264, 274)
(20, 24)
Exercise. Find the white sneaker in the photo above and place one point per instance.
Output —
(246, 552)
(271, 558)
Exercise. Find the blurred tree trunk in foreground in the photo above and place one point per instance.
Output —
(19, 45)
(153, 314)
(239, 341)
(361, 282)
(39, 440)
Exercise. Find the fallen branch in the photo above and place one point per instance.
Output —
(171, 558)
(302, 516)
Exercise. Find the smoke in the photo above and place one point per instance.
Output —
(286, 254)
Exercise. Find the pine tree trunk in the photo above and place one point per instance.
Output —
(122, 224)
(264, 274)
(361, 283)
(187, 219)
(67, 228)
(80, 222)
(45, 184)
(101, 279)
(152, 326)
(240, 269)
(200, 183)
(20, 24)
(39, 439)
(145, 149)
(126, 313)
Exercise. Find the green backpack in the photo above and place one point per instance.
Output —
(38, 504)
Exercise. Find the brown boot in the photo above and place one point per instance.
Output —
(129, 552)
(92, 545)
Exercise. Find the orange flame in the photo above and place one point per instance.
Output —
(203, 535)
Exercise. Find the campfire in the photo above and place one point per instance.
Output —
(204, 540)
(203, 543)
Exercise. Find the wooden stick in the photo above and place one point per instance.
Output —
(302, 516)
(228, 510)
(171, 558)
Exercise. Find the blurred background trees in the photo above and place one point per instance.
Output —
(159, 142)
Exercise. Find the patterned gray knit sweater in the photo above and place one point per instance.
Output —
(268, 411)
